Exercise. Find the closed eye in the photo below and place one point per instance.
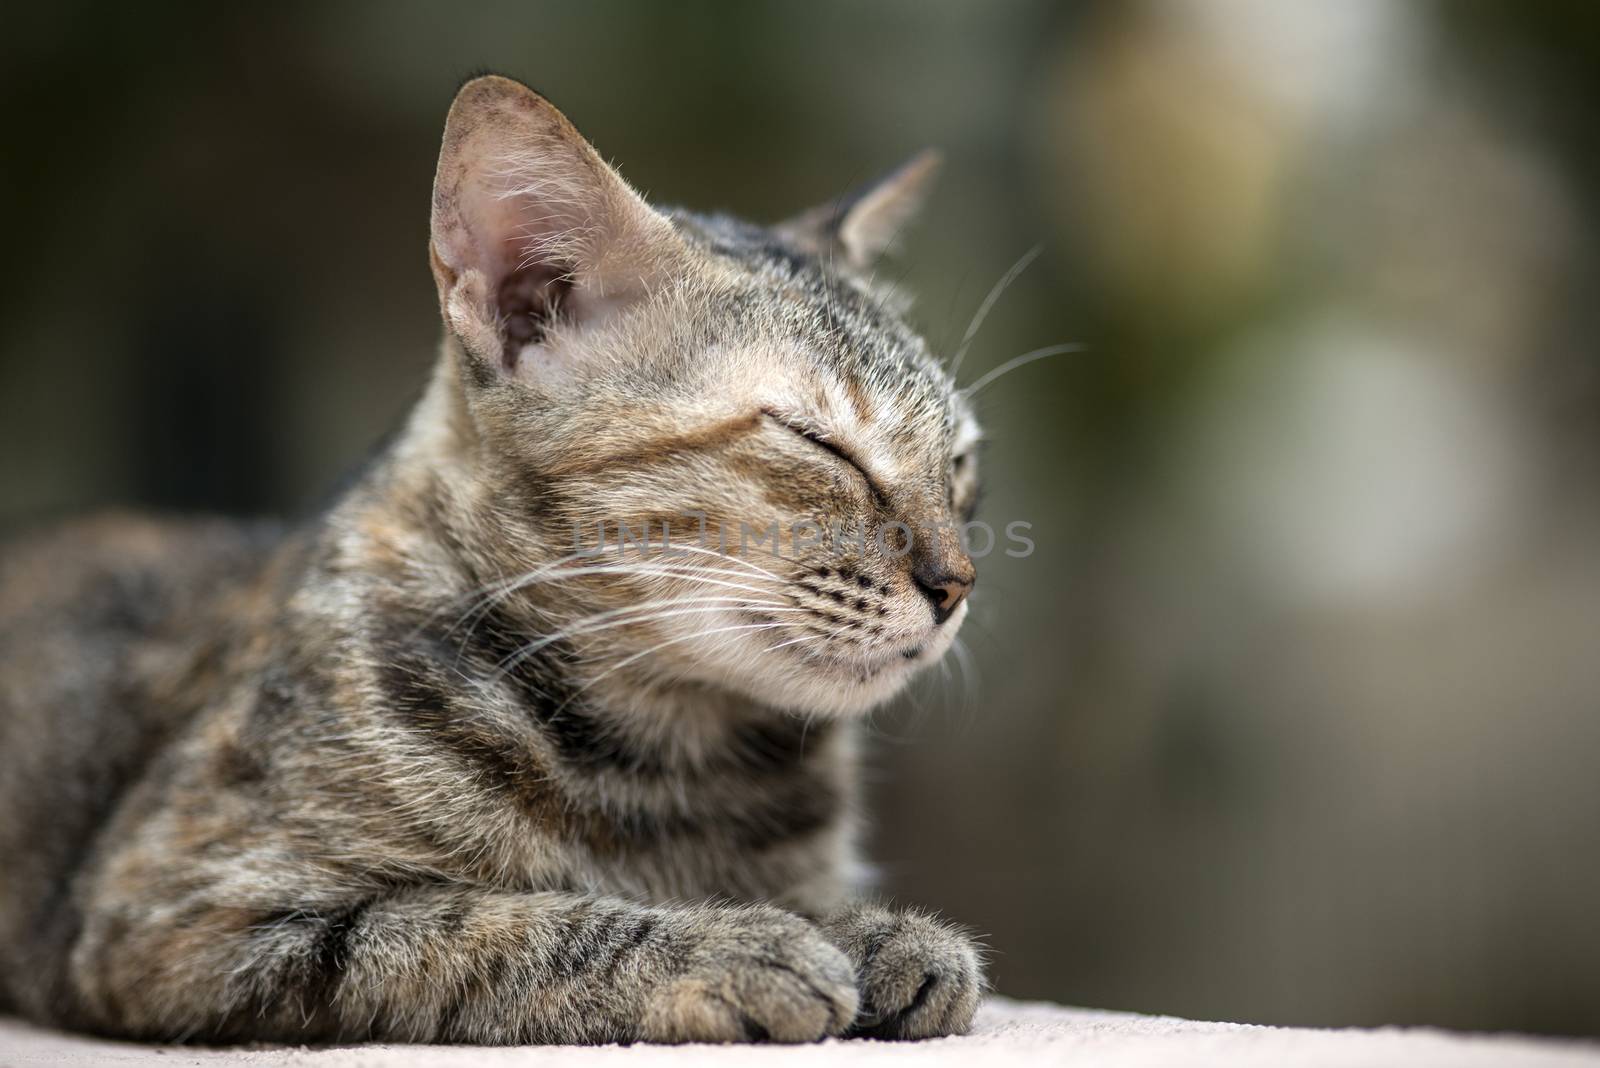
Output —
(817, 438)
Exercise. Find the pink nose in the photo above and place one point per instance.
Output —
(944, 589)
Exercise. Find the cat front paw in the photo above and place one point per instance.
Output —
(918, 976)
(755, 975)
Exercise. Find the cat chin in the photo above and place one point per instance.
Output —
(844, 687)
(816, 680)
(839, 696)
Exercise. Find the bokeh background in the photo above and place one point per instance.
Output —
(1293, 716)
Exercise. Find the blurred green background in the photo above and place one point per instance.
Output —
(1293, 716)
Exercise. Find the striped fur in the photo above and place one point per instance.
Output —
(414, 771)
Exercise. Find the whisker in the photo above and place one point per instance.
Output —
(666, 602)
(504, 588)
(725, 556)
(528, 650)
(795, 641)
(512, 585)
(1016, 362)
(988, 303)
(648, 569)
(662, 645)
(969, 674)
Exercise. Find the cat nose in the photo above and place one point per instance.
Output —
(945, 589)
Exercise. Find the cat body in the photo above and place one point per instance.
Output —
(428, 767)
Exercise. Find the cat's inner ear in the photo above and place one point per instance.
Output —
(532, 230)
(861, 227)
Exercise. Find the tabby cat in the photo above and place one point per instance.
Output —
(436, 768)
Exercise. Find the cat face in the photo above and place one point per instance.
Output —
(725, 454)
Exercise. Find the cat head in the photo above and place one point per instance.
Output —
(746, 393)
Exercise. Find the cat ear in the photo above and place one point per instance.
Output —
(531, 229)
(864, 225)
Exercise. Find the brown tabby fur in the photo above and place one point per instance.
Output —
(408, 772)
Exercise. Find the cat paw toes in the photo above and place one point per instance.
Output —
(770, 977)
(919, 978)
